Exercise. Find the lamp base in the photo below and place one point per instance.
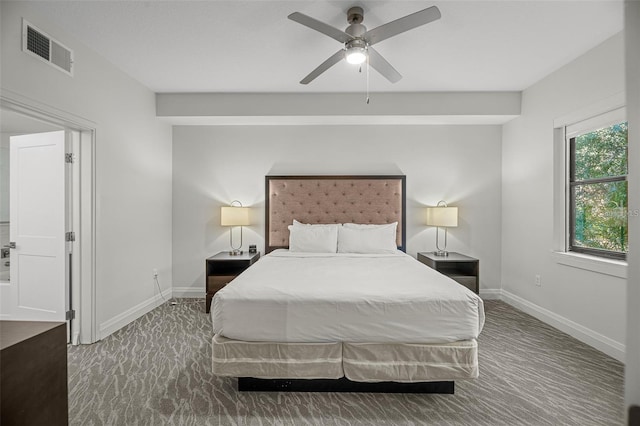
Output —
(441, 253)
(235, 252)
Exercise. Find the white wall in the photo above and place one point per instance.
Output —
(133, 162)
(589, 305)
(213, 165)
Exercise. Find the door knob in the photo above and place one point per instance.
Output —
(11, 245)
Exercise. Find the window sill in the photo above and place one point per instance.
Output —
(616, 268)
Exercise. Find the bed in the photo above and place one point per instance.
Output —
(379, 321)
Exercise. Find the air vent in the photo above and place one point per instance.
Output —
(38, 43)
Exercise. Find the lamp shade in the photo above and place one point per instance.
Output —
(234, 216)
(442, 216)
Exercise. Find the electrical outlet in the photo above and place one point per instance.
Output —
(538, 281)
(155, 273)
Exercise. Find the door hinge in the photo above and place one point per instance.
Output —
(70, 315)
(69, 158)
(70, 236)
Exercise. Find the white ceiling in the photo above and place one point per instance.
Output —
(251, 46)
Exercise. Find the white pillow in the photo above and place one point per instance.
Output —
(369, 239)
(313, 238)
(296, 223)
(393, 225)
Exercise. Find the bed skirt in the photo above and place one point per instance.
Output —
(358, 362)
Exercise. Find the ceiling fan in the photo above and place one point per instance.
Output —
(358, 41)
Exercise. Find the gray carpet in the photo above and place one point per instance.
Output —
(157, 371)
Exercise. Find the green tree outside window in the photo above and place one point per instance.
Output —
(598, 183)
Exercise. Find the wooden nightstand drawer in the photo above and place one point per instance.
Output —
(216, 282)
(222, 268)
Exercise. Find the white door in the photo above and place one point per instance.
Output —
(38, 270)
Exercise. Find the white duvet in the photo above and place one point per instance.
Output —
(306, 297)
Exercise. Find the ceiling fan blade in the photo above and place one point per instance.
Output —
(333, 59)
(325, 29)
(401, 25)
(382, 66)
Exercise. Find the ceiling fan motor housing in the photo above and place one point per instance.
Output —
(356, 30)
(356, 44)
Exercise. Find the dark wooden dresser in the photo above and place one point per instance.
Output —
(33, 373)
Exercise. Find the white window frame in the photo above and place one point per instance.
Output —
(600, 114)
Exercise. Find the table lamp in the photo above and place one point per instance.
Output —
(234, 215)
(442, 216)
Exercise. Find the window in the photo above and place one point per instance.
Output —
(598, 187)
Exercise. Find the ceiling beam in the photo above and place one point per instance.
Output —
(338, 108)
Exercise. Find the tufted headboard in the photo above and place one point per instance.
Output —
(332, 199)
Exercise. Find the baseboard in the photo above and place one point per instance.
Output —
(189, 292)
(491, 294)
(592, 338)
(116, 323)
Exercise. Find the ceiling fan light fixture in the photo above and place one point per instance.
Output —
(356, 55)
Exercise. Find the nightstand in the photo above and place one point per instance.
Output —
(222, 268)
(461, 268)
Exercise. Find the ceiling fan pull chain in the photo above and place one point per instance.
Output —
(367, 79)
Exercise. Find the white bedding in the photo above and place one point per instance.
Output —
(307, 297)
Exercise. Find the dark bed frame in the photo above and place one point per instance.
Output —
(250, 384)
